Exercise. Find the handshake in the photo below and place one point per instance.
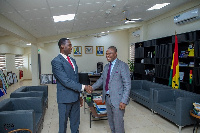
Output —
(88, 88)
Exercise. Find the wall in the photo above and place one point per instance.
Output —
(6, 48)
(164, 25)
(88, 62)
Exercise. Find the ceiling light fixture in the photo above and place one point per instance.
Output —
(129, 22)
(28, 44)
(158, 6)
(135, 19)
(62, 18)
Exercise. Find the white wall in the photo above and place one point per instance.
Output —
(6, 48)
(88, 62)
(164, 25)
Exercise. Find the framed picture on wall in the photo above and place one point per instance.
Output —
(88, 49)
(99, 50)
(46, 79)
(77, 50)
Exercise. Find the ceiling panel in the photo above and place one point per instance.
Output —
(5, 7)
(35, 16)
(63, 10)
(21, 5)
(65, 3)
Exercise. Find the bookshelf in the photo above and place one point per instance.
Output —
(153, 59)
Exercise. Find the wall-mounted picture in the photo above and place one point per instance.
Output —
(99, 50)
(77, 50)
(88, 49)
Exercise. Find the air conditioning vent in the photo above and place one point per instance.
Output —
(186, 17)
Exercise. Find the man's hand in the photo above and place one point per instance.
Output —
(122, 106)
(89, 89)
(81, 101)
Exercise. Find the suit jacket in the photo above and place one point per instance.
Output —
(119, 83)
(68, 86)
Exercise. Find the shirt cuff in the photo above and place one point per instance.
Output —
(83, 86)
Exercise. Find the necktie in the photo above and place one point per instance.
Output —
(70, 62)
(108, 77)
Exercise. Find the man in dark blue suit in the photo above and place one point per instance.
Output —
(65, 71)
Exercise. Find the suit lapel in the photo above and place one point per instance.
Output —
(74, 62)
(114, 70)
(65, 62)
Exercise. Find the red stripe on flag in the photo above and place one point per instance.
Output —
(175, 56)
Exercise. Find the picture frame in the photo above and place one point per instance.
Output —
(46, 79)
(100, 50)
(88, 49)
(77, 50)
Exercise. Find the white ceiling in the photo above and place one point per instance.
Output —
(36, 16)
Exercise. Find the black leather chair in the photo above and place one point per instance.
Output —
(84, 79)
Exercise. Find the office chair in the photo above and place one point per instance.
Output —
(84, 79)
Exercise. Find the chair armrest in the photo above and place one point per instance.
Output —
(27, 94)
(151, 97)
(19, 119)
(183, 107)
(28, 103)
(136, 84)
(163, 95)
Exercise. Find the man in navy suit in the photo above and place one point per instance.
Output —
(65, 71)
(116, 89)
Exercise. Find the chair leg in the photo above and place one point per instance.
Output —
(179, 128)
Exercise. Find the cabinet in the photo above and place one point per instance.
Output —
(153, 59)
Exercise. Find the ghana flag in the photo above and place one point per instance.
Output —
(174, 79)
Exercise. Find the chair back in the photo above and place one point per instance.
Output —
(84, 79)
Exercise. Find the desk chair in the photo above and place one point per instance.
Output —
(21, 131)
(84, 79)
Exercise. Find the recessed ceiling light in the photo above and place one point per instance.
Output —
(136, 19)
(28, 44)
(129, 22)
(158, 6)
(98, 2)
(62, 18)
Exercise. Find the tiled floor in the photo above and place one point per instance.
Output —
(138, 119)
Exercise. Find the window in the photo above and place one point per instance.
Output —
(2, 62)
(132, 52)
(18, 61)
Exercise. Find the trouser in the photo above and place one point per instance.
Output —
(71, 110)
(115, 117)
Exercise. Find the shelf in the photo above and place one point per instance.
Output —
(162, 59)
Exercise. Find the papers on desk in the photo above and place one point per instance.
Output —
(101, 109)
